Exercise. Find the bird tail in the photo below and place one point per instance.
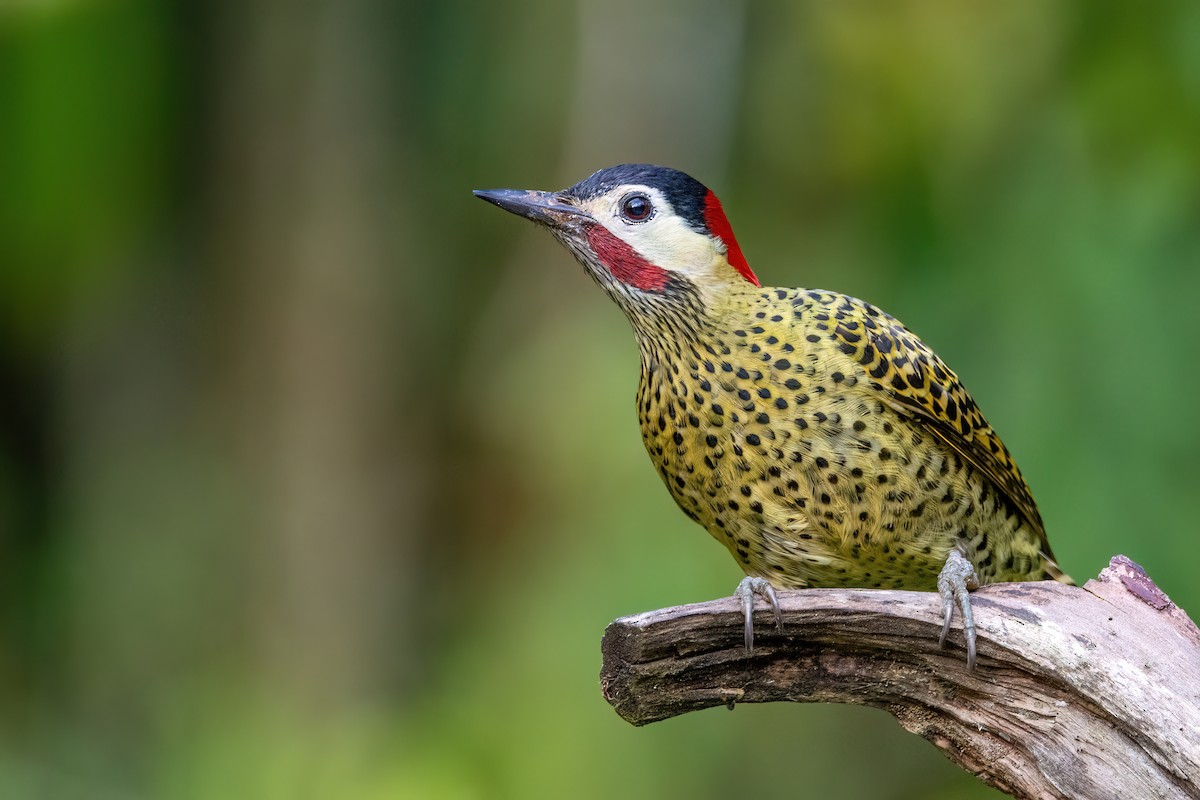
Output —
(1053, 572)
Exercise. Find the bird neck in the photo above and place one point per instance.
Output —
(679, 324)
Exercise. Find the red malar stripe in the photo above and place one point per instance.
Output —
(718, 224)
(625, 264)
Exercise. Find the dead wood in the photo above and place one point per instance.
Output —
(1080, 692)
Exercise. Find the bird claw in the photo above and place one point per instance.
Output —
(745, 592)
(955, 581)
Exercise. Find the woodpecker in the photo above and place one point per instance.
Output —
(813, 435)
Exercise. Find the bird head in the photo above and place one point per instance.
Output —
(649, 235)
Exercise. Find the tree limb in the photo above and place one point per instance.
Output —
(1089, 692)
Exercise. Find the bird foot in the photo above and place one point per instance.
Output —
(956, 579)
(745, 592)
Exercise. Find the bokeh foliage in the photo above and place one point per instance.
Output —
(319, 478)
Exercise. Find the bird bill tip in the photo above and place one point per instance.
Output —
(545, 207)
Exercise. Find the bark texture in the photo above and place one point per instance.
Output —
(1089, 691)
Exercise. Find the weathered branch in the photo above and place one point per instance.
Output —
(1089, 692)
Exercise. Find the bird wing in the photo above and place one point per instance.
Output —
(920, 385)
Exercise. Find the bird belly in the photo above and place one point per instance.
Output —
(841, 492)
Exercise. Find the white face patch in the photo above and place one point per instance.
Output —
(663, 238)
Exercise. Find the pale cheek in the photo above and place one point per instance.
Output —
(624, 263)
(671, 245)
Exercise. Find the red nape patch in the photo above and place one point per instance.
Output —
(718, 224)
(625, 264)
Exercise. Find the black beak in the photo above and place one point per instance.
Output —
(548, 208)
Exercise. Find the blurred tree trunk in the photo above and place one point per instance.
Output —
(697, 55)
(299, 203)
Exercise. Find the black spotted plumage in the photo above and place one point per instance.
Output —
(860, 480)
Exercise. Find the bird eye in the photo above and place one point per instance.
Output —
(637, 208)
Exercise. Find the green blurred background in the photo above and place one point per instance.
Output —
(319, 478)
